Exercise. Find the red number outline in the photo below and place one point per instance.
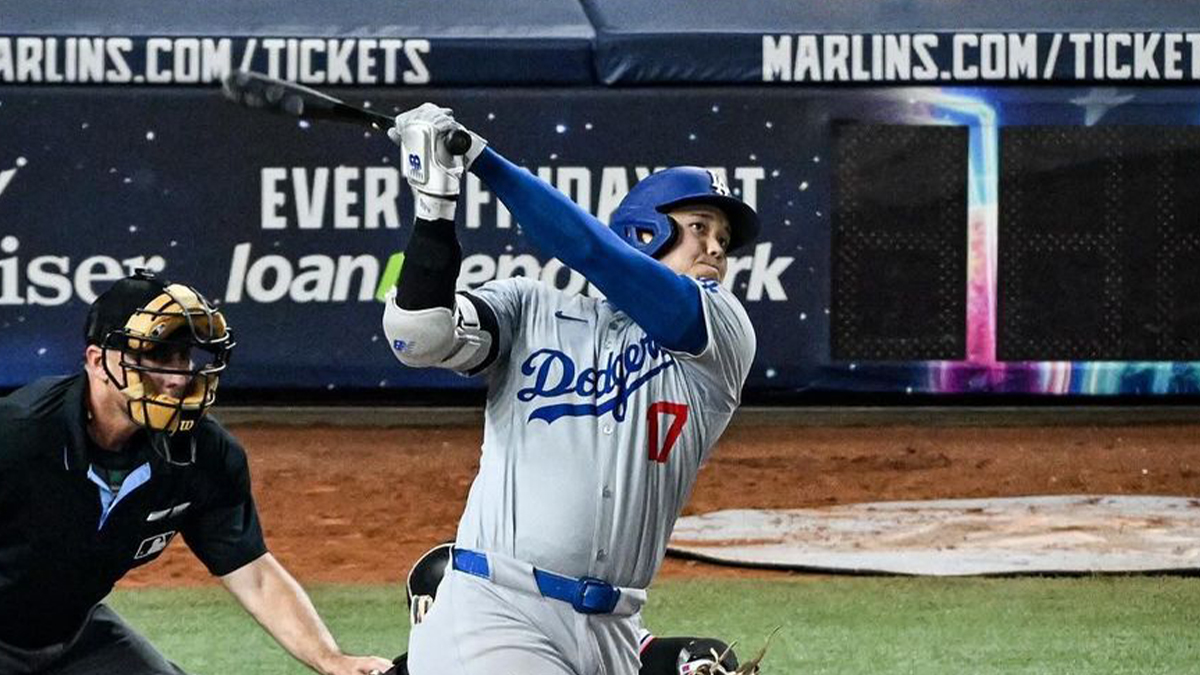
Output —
(679, 412)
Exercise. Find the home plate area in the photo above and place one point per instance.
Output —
(1076, 534)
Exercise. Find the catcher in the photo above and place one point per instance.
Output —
(100, 470)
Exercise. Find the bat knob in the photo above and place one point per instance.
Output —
(458, 142)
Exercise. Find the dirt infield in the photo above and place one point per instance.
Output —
(344, 504)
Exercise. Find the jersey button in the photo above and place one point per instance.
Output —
(601, 554)
(607, 428)
(606, 492)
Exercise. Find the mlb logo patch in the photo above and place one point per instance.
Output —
(153, 545)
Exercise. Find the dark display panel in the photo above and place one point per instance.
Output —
(899, 242)
(1099, 244)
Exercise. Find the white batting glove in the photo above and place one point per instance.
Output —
(444, 123)
(443, 120)
(433, 173)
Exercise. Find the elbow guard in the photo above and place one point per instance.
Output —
(436, 336)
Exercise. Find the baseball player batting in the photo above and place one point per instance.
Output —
(599, 412)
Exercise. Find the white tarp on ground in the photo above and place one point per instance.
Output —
(1022, 535)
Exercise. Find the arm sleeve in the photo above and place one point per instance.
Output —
(431, 262)
(725, 361)
(425, 322)
(666, 305)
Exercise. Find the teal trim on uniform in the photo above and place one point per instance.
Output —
(136, 478)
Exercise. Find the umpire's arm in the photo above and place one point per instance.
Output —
(277, 601)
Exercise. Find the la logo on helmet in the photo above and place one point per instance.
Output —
(718, 183)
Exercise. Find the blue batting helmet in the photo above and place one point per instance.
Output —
(641, 218)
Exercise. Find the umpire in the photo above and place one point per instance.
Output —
(100, 470)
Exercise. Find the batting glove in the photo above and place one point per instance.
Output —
(434, 173)
(444, 122)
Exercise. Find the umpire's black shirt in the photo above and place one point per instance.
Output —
(62, 550)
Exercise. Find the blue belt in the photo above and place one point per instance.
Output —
(587, 595)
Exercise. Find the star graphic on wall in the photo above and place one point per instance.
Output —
(1098, 101)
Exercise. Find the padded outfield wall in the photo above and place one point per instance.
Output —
(1005, 208)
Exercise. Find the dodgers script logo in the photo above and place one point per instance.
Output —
(554, 374)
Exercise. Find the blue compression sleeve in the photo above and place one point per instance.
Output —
(665, 304)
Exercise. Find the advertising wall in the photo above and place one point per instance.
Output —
(298, 229)
(966, 198)
(367, 43)
(907, 42)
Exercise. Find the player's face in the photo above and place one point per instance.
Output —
(703, 239)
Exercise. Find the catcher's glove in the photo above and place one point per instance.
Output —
(706, 656)
(719, 664)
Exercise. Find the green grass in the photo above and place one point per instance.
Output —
(206, 632)
(843, 625)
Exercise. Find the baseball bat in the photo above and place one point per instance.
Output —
(262, 92)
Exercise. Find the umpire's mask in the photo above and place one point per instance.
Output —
(161, 330)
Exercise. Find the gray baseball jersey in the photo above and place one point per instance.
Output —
(594, 434)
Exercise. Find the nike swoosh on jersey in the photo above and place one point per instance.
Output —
(566, 317)
(167, 513)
